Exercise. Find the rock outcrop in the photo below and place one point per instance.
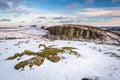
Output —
(82, 32)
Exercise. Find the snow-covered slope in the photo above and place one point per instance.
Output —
(101, 62)
(96, 61)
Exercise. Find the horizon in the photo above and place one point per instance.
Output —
(55, 12)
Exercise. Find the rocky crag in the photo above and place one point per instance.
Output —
(83, 33)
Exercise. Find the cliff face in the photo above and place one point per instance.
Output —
(81, 32)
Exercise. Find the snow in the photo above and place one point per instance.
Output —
(22, 33)
(114, 40)
(92, 63)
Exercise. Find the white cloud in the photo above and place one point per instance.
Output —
(92, 12)
(113, 21)
(110, 22)
(80, 17)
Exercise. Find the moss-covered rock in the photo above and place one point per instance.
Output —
(54, 58)
(32, 61)
(38, 60)
(29, 52)
(21, 65)
(48, 52)
(15, 56)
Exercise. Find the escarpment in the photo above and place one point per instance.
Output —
(83, 33)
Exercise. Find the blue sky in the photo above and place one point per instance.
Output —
(52, 12)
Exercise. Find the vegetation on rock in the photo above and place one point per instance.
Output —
(49, 53)
(86, 79)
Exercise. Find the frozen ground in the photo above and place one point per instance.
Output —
(22, 33)
(97, 61)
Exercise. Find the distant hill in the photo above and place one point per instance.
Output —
(112, 28)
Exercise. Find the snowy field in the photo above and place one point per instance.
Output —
(96, 61)
(21, 33)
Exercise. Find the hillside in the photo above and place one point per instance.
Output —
(83, 33)
(25, 53)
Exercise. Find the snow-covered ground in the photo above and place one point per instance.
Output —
(96, 61)
(21, 33)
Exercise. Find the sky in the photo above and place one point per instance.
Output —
(54, 12)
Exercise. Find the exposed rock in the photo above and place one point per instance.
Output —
(54, 58)
(21, 65)
(86, 79)
(42, 27)
(33, 26)
(20, 26)
(48, 52)
(33, 61)
(82, 32)
(36, 61)
(15, 56)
